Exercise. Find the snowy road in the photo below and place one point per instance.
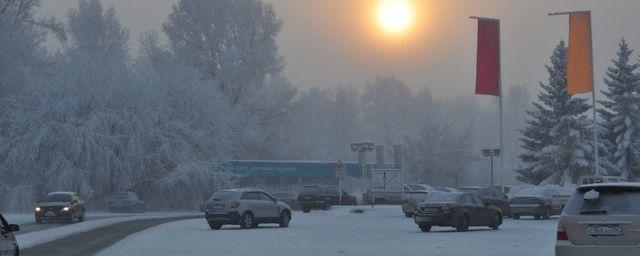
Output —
(381, 231)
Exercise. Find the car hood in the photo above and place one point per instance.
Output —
(54, 204)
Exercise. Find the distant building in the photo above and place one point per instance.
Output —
(289, 175)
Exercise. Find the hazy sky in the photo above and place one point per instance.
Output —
(326, 42)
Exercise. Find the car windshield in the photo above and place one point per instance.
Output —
(310, 189)
(611, 201)
(443, 197)
(284, 195)
(471, 190)
(58, 198)
(221, 196)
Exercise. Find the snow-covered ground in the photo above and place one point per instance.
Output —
(39, 237)
(24, 218)
(380, 231)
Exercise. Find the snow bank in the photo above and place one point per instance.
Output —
(39, 237)
(382, 230)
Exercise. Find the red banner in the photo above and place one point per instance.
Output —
(488, 60)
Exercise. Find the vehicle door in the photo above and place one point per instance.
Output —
(7, 238)
(485, 214)
(269, 206)
(470, 206)
(252, 202)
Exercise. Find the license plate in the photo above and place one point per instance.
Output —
(600, 230)
(50, 214)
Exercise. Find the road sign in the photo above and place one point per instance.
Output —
(341, 169)
(386, 180)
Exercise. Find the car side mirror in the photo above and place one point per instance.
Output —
(14, 228)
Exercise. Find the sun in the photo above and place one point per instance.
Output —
(395, 16)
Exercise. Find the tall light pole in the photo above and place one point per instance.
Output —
(491, 153)
(362, 148)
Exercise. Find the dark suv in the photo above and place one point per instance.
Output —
(493, 196)
(322, 197)
(60, 206)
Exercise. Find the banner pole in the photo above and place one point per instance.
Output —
(500, 107)
(593, 100)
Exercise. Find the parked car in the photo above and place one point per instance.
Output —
(395, 197)
(447, 189)
(8, 243)
(322, 197)
(125, 202)
(246, 207)
(601, 219)
(534, 201)
(60, 206)
(411, 200)
(493, 196)
(583, 180)
(291, 198)
(459, 210)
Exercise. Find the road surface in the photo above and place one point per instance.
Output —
(91, 242)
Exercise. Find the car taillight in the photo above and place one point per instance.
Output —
(235, 205)
(562, 234)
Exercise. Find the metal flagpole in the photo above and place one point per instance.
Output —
(500, 128)
(596, 170)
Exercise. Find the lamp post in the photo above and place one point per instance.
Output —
(491, 153)
(362, 148)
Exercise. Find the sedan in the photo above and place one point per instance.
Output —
(459, 210)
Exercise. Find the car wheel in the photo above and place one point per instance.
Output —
(72, 217)
(81, 218)
(537, 216)
(515, 216)
(284, 219)
(463, 224)
(247, 221)
(327, 206)
(408, 214)
(215, 226)
(547, 214)
(425, 228)
(495, 225)
(306, 209)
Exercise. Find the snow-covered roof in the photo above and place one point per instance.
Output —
(62, 192)
(611, 184)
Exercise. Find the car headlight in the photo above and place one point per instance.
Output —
(38, 209)
(66, 208)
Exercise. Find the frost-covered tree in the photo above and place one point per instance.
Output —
(96, 32)
(557, 140)
(232, 42)
(439, 156)
(621, 113)
(386, 105)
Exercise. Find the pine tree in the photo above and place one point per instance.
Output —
(621, 113)
(557, 139)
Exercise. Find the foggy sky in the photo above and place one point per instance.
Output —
(326, 42)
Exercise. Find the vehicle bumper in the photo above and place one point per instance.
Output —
(408, 208)
(527, 211)
(59, 216)
(566, 248)
(223, 218)
(433, 219)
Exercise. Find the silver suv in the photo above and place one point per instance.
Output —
(246, 207)
(601, 219)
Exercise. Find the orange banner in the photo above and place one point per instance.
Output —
(580, 60)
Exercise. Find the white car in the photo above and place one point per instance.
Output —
(601, 219)
(8, 244)
(246, 207)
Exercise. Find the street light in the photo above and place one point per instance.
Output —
(491, 152)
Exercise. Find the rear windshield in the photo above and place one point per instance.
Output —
(310, 190)
(443, 197)
(471, 190)
(612, 201)
(58, 198)
(221, 196)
